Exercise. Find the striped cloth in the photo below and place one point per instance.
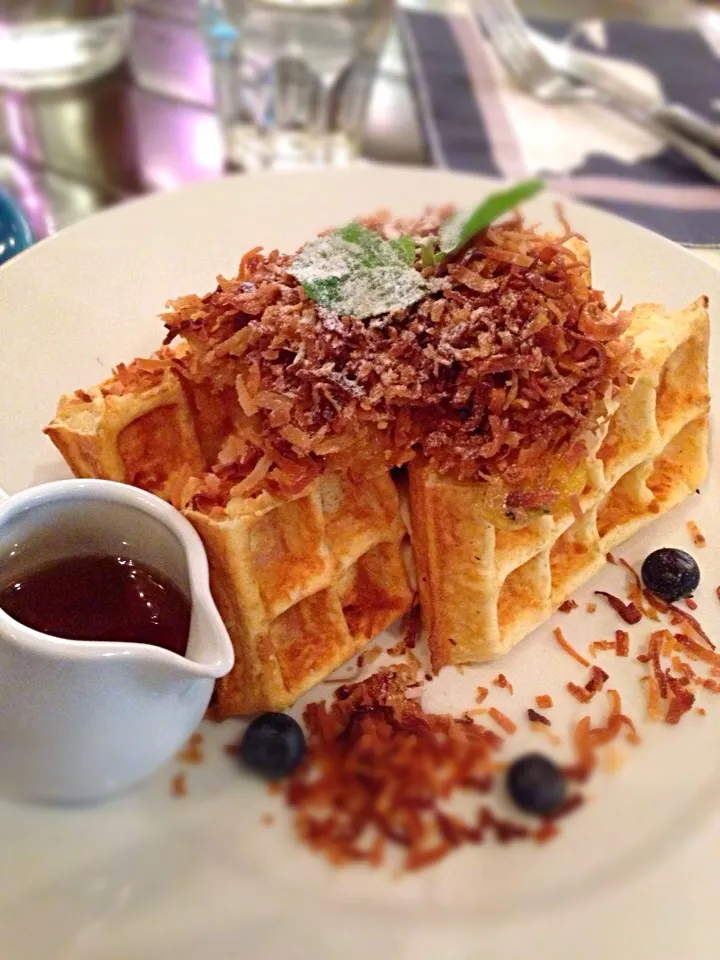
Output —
(475, 120)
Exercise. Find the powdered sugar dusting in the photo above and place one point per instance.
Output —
(357, 279)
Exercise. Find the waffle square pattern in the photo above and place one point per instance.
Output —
(303, 585)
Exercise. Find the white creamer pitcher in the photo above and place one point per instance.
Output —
(81, 720)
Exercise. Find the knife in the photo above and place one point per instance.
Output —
(591, 70)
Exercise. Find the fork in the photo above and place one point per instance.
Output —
(533, 72)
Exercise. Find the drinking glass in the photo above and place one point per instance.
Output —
(292, 77)
(55, 43)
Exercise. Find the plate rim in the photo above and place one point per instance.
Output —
(24, 259)
(160, 197)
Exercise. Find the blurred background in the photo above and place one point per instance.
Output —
(103, 100)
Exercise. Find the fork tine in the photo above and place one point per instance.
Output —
(493, 18)
(512, 26)
(502, 20)
(528, 65)
(510, 37)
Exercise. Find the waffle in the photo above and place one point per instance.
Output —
(144, 436)
(302, 584)
(483, 588)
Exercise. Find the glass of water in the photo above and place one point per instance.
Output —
(56, 43)
(292, 77)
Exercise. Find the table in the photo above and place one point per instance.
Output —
(150, 124)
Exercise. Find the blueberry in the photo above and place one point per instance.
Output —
(670, 573)
(273, 745)
(536, 784)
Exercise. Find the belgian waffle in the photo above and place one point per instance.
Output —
(483, 588)
(144, 436)
(304, 584)
(151, 429)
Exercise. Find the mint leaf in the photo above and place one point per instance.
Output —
(357, 233)
(427, 253)
(369, 244)
(378, 291)
(355, 272)
(459, 229)
(405, 248)
(325, 290)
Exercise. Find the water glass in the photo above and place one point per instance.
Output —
(292, 77)
(56, 43)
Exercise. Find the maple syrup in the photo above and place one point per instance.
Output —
(100, 598)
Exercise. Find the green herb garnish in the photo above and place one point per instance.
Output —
(428, 253)
(405, 248)
(459, 229)
(355, 272)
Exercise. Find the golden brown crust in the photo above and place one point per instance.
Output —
(483, 588)
(303, 585)
(145, 437)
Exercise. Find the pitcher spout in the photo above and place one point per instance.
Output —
(209, 645)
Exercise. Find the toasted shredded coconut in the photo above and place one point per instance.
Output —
(137, 377)
(668, 646)
(681, 699)
(634, 575)
(536, 717)
(628, 611)
(192, 752)
(601, 645)
(588, 739)
(568, 648)
(178, 785)
(653, 697)
(509, 359)
(685, 670)
(698, 650)
(695, 625)
(379, 770)
(548, 831)
(635, 591)
(622, 643)
(656, 640)
(580, 693)
(502, 681)
(597, 679)
(567, 606)
(696, 534)
(655, 601)
(502, 721)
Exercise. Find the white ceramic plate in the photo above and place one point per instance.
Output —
(148, 875)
